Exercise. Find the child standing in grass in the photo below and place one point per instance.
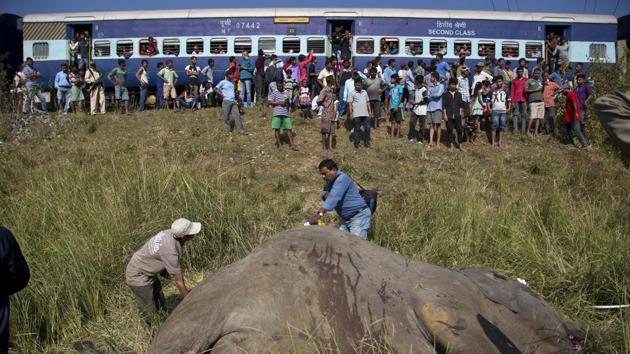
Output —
(226, 89)
(434, 108)
(326, 99)
(278, 100)
(453, 112)
(418, 112)
(395, 106)
(289, 87)
(305, 100)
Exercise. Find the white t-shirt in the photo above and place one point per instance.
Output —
(499, 100)
(418, 96)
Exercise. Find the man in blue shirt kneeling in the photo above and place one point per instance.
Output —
(342, 195)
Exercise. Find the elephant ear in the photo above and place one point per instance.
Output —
(613, 111)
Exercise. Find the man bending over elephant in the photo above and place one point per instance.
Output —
(161, 253)
(340, 194)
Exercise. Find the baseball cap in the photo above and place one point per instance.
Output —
(184, 227)
(481, 64)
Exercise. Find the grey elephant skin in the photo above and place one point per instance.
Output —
(317, 289)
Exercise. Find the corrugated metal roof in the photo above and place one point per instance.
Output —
(318, 12)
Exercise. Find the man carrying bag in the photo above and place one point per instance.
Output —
(340, 194)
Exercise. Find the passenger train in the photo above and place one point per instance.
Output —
(220, 33)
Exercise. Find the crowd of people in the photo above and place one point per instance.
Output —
(432, 96)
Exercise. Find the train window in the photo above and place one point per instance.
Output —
(533, 50)
(485, 48)
(218, 46)
(102, 49)
(413, 47)
(241, 44)
(437, 46)
(365, 46)
(194, 46)
(291, 45)
(170, 47)
(124, 48)
(462, 47)
(316, 44)
(267, 45)
(389, 46)
(40, 50)
(509, 49)
(597, 51)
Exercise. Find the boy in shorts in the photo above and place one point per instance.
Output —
(279, 101)
(395, 106)
(118, 76)
(434, 108)
(169, 76)
(534, 90)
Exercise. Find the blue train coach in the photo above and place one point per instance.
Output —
(402, 34)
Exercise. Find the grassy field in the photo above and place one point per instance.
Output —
(85, 198)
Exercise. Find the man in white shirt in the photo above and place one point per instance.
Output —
(193, 72)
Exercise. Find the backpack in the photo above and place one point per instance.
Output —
(369, 195)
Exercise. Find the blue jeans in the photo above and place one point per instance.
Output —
(358, 122)
(342, 102)
(31, 92)
(160, 96)
(63, 98)
(143, 97)
(83, 63)
(359, 224)
(246, 92)
(191, 104)
(577, 130)
(499, 121)
(520, 110)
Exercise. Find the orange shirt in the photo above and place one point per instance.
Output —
(549, 91)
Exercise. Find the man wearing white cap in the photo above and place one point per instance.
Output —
(161, 253)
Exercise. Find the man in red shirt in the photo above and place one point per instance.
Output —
(572, 117)
(304, 61)
(518, 100)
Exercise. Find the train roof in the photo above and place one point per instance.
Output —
(319, 12)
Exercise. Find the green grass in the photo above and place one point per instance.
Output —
(82, 201)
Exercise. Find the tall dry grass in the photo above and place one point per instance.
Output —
(83, 202)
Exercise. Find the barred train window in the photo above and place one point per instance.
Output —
(124, 46)
(267, 45)
(194, 46)
(463, 47)
(597, 51)
(40, 50)
(438, 46)
(241, 44)
(509, 49)
(218, 46)
(533, 50)
(102, 49)
(486, 48)
(170, 47)
(291, 45)
(365, 46)
(413, 47)
(316, 44)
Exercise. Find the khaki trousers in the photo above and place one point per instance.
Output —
(97, 95)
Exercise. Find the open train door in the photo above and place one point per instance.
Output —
(335, 29)
(72, 29)
(564, 31)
